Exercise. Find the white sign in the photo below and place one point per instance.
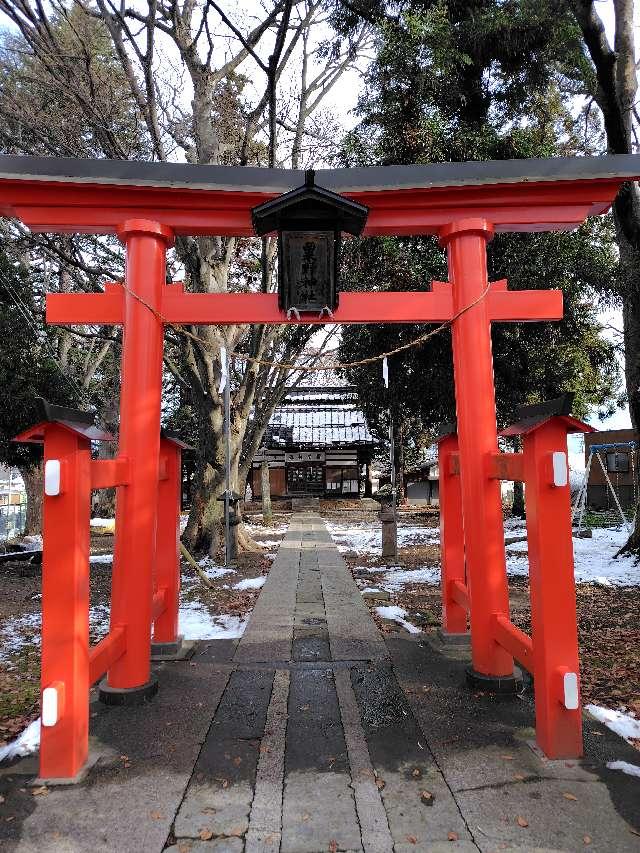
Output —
(307, 456)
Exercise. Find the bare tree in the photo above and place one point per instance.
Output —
(157, 52)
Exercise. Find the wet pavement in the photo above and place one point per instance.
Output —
(312, 733)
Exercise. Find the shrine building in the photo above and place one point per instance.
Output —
(317, 444)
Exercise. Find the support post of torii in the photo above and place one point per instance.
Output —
(466, 242)
(129, 679)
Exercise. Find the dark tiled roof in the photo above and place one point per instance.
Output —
(318, 416)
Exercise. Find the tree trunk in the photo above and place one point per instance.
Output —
(267, 514)
(630, 286)
(368, 488)
(204, 527)
(104, 501)
(398, 439)
(33, 484)
(517, 508)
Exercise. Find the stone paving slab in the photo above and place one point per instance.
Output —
(313, 733)
(481, 744)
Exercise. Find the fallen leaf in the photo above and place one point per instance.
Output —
(305, 816)
(236, 832)
(569, 796)
(416, 773)
(507, 757)
(452, 836)
(333, 847)
(40, 792)
(380, 783)
(157, 815)
(587, 840)
(519, 777)
(427, 797)
(206, 834)
(412, 839)
(522, 821)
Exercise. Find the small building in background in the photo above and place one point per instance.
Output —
(421, 480)
(620, 463)
(317, 444)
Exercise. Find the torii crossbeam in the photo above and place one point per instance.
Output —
(148, 204)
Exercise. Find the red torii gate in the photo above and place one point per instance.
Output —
(147, 205)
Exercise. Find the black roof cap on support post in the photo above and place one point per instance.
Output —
(558, 406)
(310, 207)
(50, 412)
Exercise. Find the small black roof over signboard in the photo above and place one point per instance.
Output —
(312, 207)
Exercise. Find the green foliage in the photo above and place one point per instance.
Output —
(471, 81)
(27, 369)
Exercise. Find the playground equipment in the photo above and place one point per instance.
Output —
(551, 653)
(146, 205)
(580, 503)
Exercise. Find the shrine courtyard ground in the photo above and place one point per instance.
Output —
(335, 722)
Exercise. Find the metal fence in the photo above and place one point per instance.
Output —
(12, 520)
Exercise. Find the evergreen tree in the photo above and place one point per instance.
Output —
(28, 369)
(471, 81)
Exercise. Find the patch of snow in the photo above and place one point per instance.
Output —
(594, 559)
(26, 743)
(32, 543)
(397, 578)
(397, 614)
(213, 571)
(366, 538)
(24, 630)
(629, 769)
(18, 632)
(266, 544)
(622, 724)
(263, 530)
(197, 623)
(101, 558)
(251, 583)
(102, 522)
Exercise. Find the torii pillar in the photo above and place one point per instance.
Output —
(466, 243)
(129, 679)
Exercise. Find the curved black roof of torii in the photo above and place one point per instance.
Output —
(358, 179)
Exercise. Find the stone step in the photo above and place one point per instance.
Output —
(305, 503)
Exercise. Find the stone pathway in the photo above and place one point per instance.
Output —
(313, 734)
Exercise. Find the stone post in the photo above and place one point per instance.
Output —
(267, 515)
(389, 521)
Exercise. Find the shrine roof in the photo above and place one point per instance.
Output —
(317, 417)
(358, 179)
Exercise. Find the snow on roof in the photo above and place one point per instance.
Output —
(318, 416)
